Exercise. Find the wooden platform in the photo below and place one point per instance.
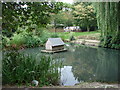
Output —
(46, 51)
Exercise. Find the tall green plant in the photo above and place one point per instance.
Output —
(22, 69)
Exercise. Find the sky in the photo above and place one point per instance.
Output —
(67, 1)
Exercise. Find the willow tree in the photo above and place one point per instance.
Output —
(108, 22)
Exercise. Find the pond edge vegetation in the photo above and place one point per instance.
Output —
(20, 69)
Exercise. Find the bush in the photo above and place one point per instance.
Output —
(39, 31)
(32, 41)
(109, 42)
(54, 35)
(5, 41)
(23, 38)
(18, 39)
(22, 69)
(72, 38)
(46, 35)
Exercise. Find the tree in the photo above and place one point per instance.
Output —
(84, 15)
(0, 9)
(109, 23)
(64, 17)
(15, 15)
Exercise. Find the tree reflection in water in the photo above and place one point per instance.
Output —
(95, 64)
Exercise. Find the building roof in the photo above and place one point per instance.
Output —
(56, 41)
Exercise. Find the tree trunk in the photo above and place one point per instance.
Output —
(55, 26)
(88, 29)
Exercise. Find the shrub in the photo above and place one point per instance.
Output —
(32, 41)
(110, 42)
(18, 39)
(45, 35)
(5, 41)
(72, 38)
(22, 69)
(23, 38)
(39, 31)
(54, 35)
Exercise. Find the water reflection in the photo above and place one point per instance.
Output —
(67, 77)
(85, 64)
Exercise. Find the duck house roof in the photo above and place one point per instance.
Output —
(56, 41)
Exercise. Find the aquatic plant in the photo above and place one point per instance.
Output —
(22, 69)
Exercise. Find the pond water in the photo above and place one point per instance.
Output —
(84, 64)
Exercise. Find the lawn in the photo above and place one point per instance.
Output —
(67, 35)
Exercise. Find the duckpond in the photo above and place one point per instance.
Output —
(84, 64)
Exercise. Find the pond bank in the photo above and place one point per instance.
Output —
(88, 85)
(81, 85)
(86, 42)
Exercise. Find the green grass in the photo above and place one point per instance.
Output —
(67, 35)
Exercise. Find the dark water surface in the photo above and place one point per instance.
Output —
(85, 64)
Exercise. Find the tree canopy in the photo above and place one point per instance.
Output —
(15, 15)
(84, 14)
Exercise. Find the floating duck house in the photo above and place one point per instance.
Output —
(54, 45)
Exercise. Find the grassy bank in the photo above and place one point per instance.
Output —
(68, 35)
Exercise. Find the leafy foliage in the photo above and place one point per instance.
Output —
(16, 15)
(5, 41)
(64, 17)
(27, 39)
(84, 15)
(22, 69)
(109, 26)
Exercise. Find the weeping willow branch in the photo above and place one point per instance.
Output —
(108, 22)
